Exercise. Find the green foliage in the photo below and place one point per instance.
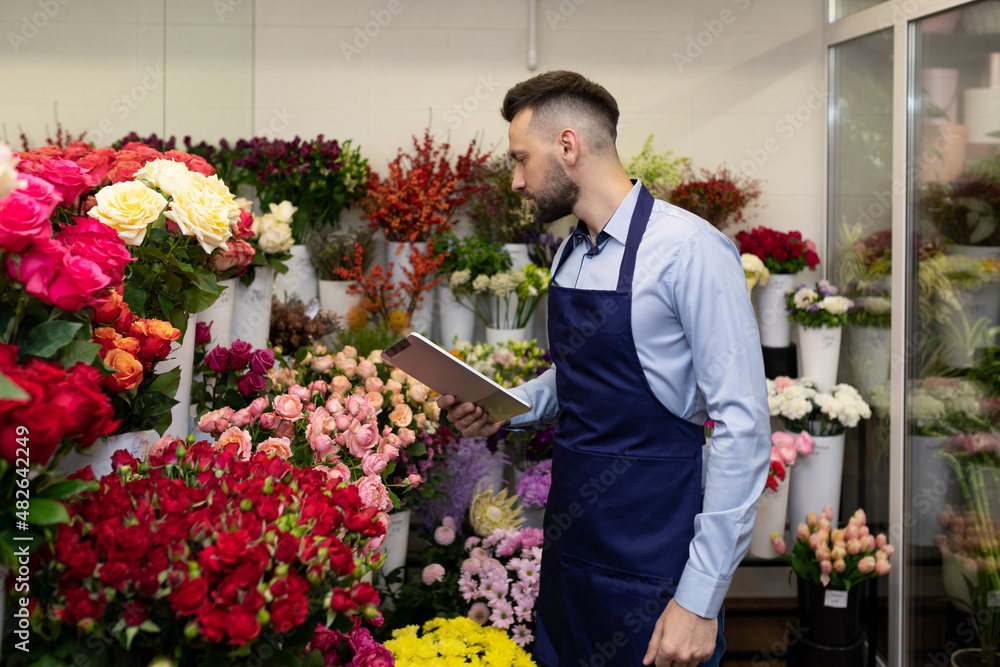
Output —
(499, 214)
(476, 254)
(659, 172)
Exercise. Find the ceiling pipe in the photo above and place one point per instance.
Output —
(532, 35)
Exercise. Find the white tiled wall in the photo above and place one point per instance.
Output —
(237, 68)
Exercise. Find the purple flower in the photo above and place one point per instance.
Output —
(218, 359)
(533, 487)
(239, 355)
(251, 383)
(262, 361)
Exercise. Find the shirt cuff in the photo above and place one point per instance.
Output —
(700, 593)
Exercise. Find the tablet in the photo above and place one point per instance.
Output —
(447, 374)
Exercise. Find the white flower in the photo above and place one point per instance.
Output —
(8, 171)
(202, 214)
(284, 211)
(481, 283)
(276, 238)
(167, 176)
(796, 408)
(804, 298)
(878, 304)
(459, 278)
(836, 305)
(221, 190)
(754, 269)
(245, 204)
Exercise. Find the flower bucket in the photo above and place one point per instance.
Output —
(252, 311)
(932, 479)
(494, 336)
(816, 482)
(98, 457)
(830, 623)
(181, 355)
(300, 280)
(772, 316)
(772, 511)
(397, 541)
(333, 296)
(970, 657)
(870, 351)
(819, 354)
(220, 314)
(399, 256)
(456, 321)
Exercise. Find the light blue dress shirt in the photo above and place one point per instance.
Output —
(697, 341)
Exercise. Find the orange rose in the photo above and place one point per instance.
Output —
(128, 371)
(109, 310)
(159, 335)
(107, 338)
(127, 344)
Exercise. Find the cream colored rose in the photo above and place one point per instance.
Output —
(245, 204)
(284, 211)
(215, 186)
(401, 415)
(418, 392)
(432, 411)
(8, 171)
(167, 176)
(129, 207)
(202, 214)
(276, 238)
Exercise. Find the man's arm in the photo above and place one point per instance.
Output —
(540, 393)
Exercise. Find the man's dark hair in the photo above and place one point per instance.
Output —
(562, 88)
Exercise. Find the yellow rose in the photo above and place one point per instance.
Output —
(167, 176)
(203, 215)
(129, 207)
(215, 186)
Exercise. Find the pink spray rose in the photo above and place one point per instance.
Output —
(288, 407)
(280, 447)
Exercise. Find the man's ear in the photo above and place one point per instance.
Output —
(569, 145)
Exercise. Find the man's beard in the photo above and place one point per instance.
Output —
(558, 197)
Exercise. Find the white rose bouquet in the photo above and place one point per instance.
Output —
(804, 408)
(819, 307)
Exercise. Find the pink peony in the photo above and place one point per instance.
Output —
(432, 574)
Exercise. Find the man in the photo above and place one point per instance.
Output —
(651, 332)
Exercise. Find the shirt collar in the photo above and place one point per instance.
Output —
(617, 227)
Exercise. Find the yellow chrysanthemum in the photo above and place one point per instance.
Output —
(456, 641)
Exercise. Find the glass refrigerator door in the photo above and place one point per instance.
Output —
(951, 447)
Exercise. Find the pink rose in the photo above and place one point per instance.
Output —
(414, 480)
(288, 407)
(301, 392)
(827, 509)
(269, 421)
(803, 532)
(163, 444)
(342, 422)
(99, 243)
(318, 386)
(394, 386)
(358, 407)
(882, 567)
(237, 255)
(362, 438)
(406, 437)
(372, 463)
(216, 421)
(235, 438)
(280, 447)
(783, 382)
(319, 442)
(321, 364)
(340, 384)
(388, 450)
(348, 367)
(24, 218)
(258, 406)
(242, 418)
(68, 178)
(373, 493)
(366, 370)
(53, 274)
(781, 438)
(285, 429)
(375, 399)
(374, 384)
(418, 393)
(420, 419)
(432, 574)
(334, 406)
(337, 474)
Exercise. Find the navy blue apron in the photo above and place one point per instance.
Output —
(626, 483)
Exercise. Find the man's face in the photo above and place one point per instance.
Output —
(538, 175)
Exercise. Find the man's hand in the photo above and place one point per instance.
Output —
(470, 419)
(681, 638)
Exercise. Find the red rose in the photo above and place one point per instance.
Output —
(98, 163)
(203, 333)
(242, 626)
(341, 601)
(231, 546)
(289, 612)
(135, 613)
(341, 558)
(239, 355)
(244, 228)
(158, 337)
(190, 597)
(115, 573)
(213, 621)
(81, 563)
(287, 548)
(262, 360)
(81, 606)
(364, 594)
(218, 359)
